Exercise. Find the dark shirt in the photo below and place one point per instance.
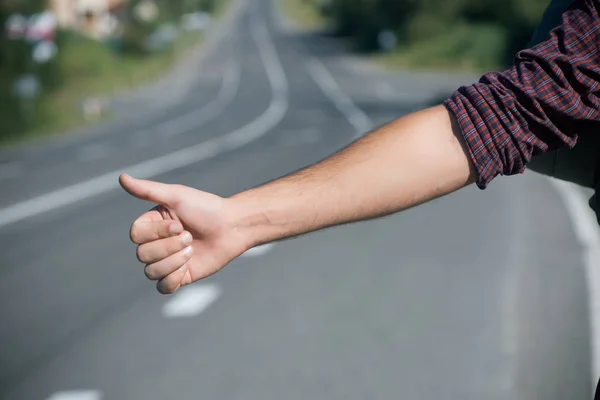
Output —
(540, 104)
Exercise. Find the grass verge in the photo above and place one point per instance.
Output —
(303, 14)
(475, 48)
(90, 69)
(463, 46)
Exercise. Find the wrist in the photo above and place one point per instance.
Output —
(248, 218)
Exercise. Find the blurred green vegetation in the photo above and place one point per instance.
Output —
(85, 67)
(304, 13)
(474, 34)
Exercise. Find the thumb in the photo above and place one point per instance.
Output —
(155, 192)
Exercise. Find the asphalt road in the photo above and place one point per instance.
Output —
(480, 295)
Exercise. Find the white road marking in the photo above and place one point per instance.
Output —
(197, 118)
(259, 250)
(357, 117)
(215, 37)
(77, 395)
(586, 228)
(583, 219)
(191, 301)
(93, 152)
(10, 170)
(181, 158)
(194, 120)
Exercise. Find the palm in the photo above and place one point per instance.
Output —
(214, 240)
(204, 216)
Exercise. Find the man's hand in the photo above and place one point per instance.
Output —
(410, 161)
(186, 237)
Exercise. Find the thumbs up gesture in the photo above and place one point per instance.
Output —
(188, 236)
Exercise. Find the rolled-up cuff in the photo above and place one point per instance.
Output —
(485, 166)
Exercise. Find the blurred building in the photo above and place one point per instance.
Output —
(96, 18)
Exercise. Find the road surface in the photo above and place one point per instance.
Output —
(480, 295)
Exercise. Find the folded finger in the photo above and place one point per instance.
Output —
(157, 250)
(170, 283)
(162, 268)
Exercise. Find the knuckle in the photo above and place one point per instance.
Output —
(164, 231)
(176, 200)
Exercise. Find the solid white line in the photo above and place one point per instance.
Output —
(196, 118)
(77, 395)
(93, 152)
(191, 301)
(586, 228)
(178, 79)
(582, 217)
(357, 117)
(213, 38)
(147, 169)
(258, 250)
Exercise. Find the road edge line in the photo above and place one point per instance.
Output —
(187, 156)
(585, 227)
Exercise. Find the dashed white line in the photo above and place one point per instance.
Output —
(259, 250)
(357, 117)
(195, 119)
(191, 301)
(93, 152)
(147, 169)
(77, 395)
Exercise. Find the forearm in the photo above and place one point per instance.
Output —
(405, 163)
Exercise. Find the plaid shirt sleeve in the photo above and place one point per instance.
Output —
(539, 104)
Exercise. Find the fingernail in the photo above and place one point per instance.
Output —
(187, 251)
(186, 238)
(175, 229)
(183, 268)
